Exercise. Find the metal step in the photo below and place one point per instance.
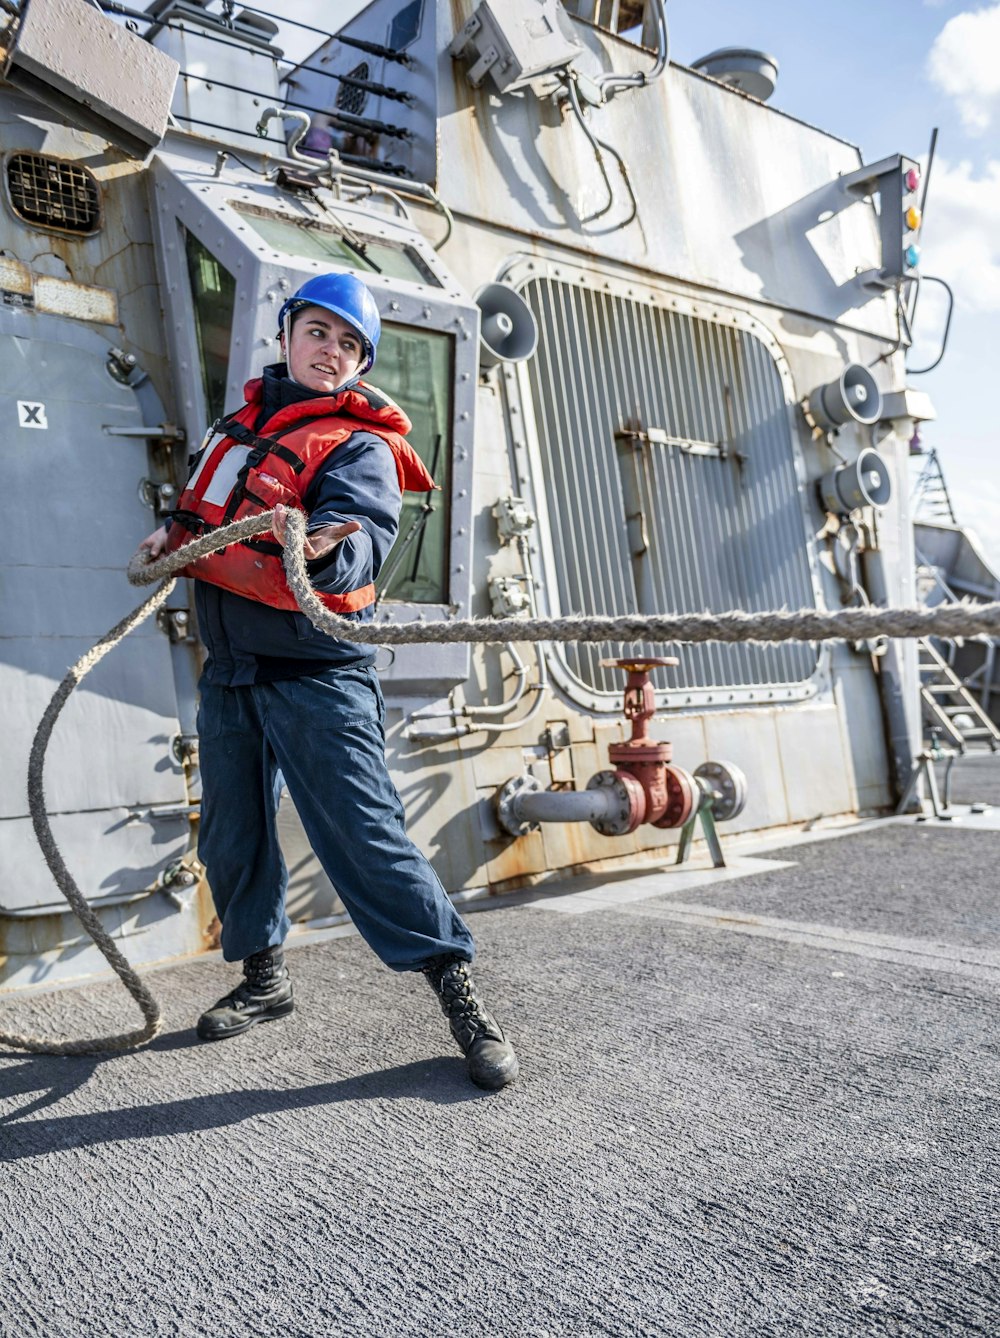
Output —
(945, 697)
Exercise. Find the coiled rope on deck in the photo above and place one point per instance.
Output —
(947, 621)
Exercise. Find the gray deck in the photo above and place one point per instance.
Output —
(765, 1105)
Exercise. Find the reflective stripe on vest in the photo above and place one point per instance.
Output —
(233, 479)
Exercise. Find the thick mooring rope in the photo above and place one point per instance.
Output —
(948, 621)
(64, 879)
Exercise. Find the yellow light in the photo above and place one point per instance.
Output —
(912, 217)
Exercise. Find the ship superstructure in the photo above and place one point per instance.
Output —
(650, 330)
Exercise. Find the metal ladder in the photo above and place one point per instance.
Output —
(945, 699)
(931, 499)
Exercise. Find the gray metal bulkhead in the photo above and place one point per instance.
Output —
(116, 793)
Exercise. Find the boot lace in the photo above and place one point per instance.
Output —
(263, 969)
(464, 1010)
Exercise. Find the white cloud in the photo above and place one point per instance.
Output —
(977, 507)
(964, 62)
(961, 238)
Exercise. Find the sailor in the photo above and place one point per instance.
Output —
(282, 703)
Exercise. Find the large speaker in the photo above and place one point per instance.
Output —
(864, 483)
(509, 332)
(854, 397)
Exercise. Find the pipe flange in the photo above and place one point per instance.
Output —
(727, 786)
(683, 797)
(503, 805)
(628, 802)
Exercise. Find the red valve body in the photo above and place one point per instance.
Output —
(665, 796)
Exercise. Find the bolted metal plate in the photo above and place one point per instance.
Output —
(504, 805)
(109, 761)
(631, 802)
(728, 786)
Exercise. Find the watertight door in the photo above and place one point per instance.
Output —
(72, 518)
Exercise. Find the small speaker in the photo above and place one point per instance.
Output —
(864, 483)
(509, 332)
(854, 396)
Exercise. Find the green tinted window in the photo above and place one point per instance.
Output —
(415, 368)
(315, 241)
(213, 293)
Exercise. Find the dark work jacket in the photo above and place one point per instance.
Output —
(249, 642)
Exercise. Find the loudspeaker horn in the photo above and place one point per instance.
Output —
(864, 483)
(854, 396)
(509, 331)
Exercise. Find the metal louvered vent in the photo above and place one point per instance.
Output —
(350, 98)
(668, 468)
(53, 193)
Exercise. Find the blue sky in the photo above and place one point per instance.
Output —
(882, 73)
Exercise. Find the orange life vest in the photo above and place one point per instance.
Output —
(244, 473)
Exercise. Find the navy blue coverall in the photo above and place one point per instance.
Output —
(282, 703)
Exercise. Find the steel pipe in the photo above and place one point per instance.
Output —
(563, 805)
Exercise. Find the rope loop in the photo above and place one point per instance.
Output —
(67, 885)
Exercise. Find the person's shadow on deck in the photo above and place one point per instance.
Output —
(443, 1080)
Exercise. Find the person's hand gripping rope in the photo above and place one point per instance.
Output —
(317, 544)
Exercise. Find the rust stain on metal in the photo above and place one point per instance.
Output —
(460, 12)
(578, 841)
(212, 934)
(14, 277)
(510, 861)
(467, 98)
(85, 302)
(501, 886)
(209, 924)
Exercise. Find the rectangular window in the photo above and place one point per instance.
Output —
(213, 294)
(414, 367)
(313, 240)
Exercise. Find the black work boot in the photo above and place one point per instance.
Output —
(264, 993)
(489, 1056)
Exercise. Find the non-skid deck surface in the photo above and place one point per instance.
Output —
(764, 1105)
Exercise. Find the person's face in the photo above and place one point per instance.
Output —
(325, 351)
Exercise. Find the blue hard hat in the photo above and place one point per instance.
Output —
(347, 297)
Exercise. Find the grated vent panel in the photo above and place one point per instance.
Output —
(707, 518)
(53, 193)
(350, 98)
